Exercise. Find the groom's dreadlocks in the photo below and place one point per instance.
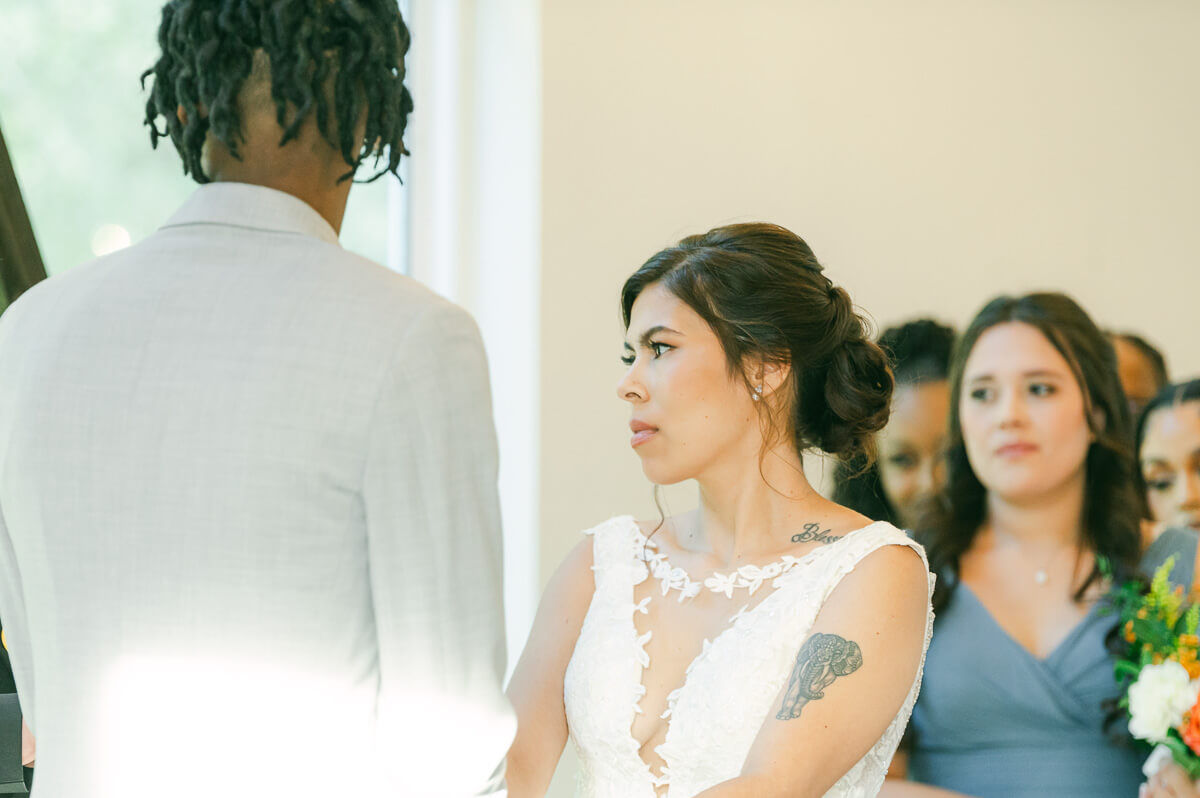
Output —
(208, 50)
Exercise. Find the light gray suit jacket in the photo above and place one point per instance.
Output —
(250, 540)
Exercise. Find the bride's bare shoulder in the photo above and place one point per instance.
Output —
(574, 579)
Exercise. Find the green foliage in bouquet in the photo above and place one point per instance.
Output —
(1159, 625)
(1155, 622)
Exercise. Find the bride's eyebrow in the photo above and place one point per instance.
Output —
(649, 334)
(653, 331)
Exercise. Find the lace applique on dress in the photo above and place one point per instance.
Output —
(729, 687)
(750, 577)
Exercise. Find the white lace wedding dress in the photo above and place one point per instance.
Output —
(732, 684)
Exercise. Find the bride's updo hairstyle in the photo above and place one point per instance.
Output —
(765, 296)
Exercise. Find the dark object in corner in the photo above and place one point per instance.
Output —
(12, 775)
(21, 264)
(14, 780)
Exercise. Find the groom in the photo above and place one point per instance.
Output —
(250, 541)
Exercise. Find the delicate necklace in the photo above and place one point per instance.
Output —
(1042, 575)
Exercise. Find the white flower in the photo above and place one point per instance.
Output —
(1158, 699)
(750, 576)
(722, 583)
(773, 570)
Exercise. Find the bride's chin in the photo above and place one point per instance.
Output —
(662, 475)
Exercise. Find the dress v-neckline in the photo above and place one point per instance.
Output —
(706, 647)
(1072, 633)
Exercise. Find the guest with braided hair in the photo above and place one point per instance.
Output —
(908, 469)
(249, 523)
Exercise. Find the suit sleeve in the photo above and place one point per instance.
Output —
(434, 546)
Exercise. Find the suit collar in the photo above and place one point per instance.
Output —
(256, 207)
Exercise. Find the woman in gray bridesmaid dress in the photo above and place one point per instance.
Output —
(1038, 518)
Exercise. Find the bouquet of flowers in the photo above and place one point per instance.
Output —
(1161, 669)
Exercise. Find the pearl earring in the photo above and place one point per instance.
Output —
(757, 395)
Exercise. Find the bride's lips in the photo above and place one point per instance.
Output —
(642, 432)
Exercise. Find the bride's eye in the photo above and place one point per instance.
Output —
(627, 360)
(659, 349)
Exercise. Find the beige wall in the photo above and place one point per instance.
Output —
(933, 154)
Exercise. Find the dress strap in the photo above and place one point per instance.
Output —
(858, 545)
(614, 556)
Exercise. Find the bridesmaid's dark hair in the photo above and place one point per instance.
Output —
(1169, 396)
(1113, 508)
(919, 351)
(765, 296)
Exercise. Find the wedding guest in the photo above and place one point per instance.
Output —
(1169, 451)
(250, 541)
(768, 644)
(908, 466)
(1142, 368)
(1038, 518)
(1168, 447)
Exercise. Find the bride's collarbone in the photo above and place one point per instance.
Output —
(677, 541)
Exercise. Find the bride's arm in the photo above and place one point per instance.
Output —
(826, 718)
(28, 746)
(898, 788)
(896, 785)
(536, 689)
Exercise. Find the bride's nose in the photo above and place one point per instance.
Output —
(630, 388)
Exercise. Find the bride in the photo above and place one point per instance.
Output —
(769, 643)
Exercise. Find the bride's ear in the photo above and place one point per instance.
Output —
(767, 377)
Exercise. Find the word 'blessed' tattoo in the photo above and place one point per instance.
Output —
(822, 659)
(812, 534)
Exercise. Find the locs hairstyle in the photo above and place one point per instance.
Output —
(208, 49)
(919, 352)
(1112, 509)
(763, 293)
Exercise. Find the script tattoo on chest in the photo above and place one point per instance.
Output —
(822, 659)
(812, 534)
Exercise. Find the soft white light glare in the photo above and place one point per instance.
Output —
(109, 238)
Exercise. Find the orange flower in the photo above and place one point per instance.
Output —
(1129, 635)
(1190, 730)
(1187, 658)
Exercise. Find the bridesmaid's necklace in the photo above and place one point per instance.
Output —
(1042, 575)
